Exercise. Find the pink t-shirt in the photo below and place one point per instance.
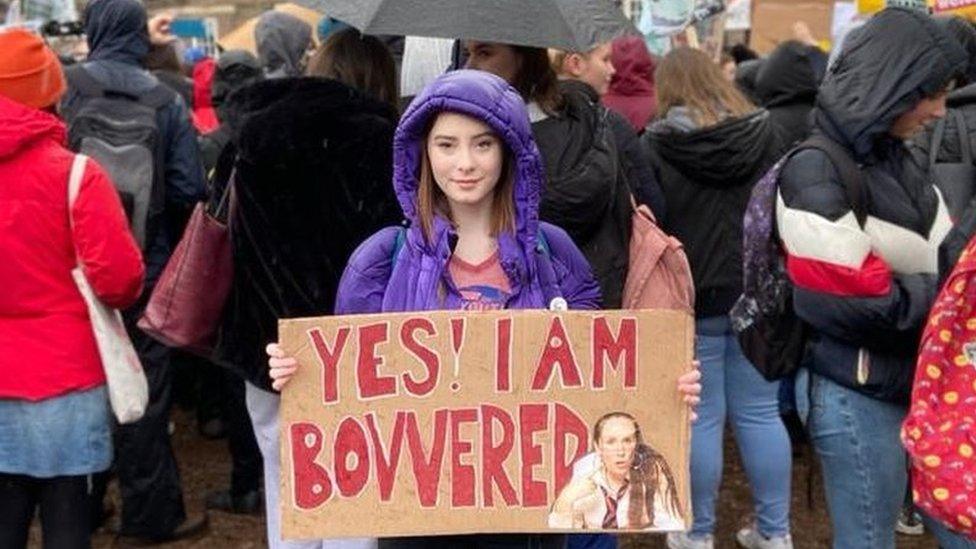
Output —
(483, 287)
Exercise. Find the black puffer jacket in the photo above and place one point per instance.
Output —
(313, 181)
(707, 175)
(786, 85)
(866, 291)
(587, 193)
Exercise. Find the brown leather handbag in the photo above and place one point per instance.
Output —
(185, 307)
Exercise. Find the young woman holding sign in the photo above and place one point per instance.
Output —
(469, 178)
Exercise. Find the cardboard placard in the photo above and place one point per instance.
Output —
(458, 422)
(962, 8)
(773, 20)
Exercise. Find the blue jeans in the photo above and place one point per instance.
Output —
(732, 387)
(947, 538)
(863, 462)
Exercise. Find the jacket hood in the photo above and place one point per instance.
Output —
(632, 91)
(491, 100)
(235, 70)
(746, 73)
(282, 40)
(634, 67)
(881, 74)
(21, 125)
(791, 74)
(116, 31)
(720, 156)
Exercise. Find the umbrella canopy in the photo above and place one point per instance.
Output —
(572, 25)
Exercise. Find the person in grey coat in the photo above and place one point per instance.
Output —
(283, 43)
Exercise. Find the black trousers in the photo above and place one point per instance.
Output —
(149, 480)
(246, 465)
(64, 504)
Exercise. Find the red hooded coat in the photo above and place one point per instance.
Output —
(632, 91)
(45, 334)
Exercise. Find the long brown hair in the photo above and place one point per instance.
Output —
(357, 60)
(688, 77)
(431, 199)
(536, 80)
(644, 478)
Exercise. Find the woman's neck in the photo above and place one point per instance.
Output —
(475, 242)
(615, 482)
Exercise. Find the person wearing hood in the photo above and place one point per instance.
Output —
(474, 240)
(118, 40)
(745, 78)
(632, 91)
(55, 421)
(956, 146)
(864, 287)
(312, 161)
(587, 191)
(283, 43)
(708, 149)
(786, 86)
(236, 69)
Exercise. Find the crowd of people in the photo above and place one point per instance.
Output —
(508, 182)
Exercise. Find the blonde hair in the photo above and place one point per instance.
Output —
(432, 201)
(688, 77)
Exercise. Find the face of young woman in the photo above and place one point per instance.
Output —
(926, 111)
(596, 68)
(498, 59)
(466, 160)
(616, 446)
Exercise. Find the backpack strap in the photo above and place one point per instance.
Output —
(158, 97)
(965, 144)
(851, 175)
(542, 244)
(83, 81)
(937, 134)
(398, 241)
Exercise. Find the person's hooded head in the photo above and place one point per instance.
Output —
(282, 42)
(791, 74)
(890, 79)
(490, 101)
(964, 33)
(632, 86)
(235, 69)
(116, 31)
(745, 77)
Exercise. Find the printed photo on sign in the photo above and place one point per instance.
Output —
(622, 484)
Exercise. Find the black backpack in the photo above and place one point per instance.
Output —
(955, 180)
(772, 337)
(119, 130)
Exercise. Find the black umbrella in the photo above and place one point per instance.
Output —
(572, 25)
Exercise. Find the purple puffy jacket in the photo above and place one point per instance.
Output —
(376, 281)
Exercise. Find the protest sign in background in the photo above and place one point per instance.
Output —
(453, 422)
